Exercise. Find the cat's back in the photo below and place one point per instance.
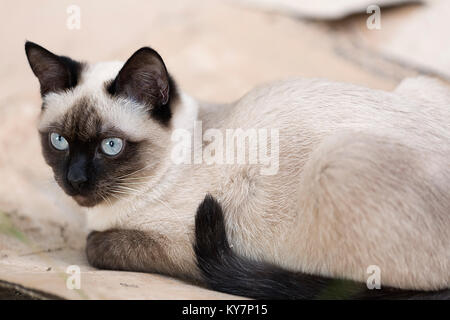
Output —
(325, 106)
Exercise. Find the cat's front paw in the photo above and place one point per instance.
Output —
(101, 249)
(127, 250)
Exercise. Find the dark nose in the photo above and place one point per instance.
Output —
(77, 176)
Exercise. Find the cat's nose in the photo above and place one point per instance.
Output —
(77, 177)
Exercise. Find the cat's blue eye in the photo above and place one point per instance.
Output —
(58, 141)
(112, 146)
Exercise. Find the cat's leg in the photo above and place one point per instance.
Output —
(134, 250)
(369, 200)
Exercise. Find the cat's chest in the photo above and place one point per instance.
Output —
(241, 191)
(157, 215)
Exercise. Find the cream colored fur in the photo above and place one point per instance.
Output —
(364, 178)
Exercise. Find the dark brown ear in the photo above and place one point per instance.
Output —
(144, 78)
(54, 72)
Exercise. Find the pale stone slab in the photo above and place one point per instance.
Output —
(322, 9)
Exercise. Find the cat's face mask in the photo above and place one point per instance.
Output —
(104, 128)
(89, 164)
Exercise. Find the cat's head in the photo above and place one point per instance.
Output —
(104, 127)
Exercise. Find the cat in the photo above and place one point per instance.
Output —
(361, 176)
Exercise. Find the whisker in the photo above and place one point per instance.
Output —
(139, 170)
(120, 191)
(105, 196)
(127, 183)
(127, 188)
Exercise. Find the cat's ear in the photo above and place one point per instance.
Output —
(144, 78)
(54, 72)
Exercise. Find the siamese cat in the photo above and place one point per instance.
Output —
(356, 178)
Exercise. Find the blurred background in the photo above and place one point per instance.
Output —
(216, 50)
